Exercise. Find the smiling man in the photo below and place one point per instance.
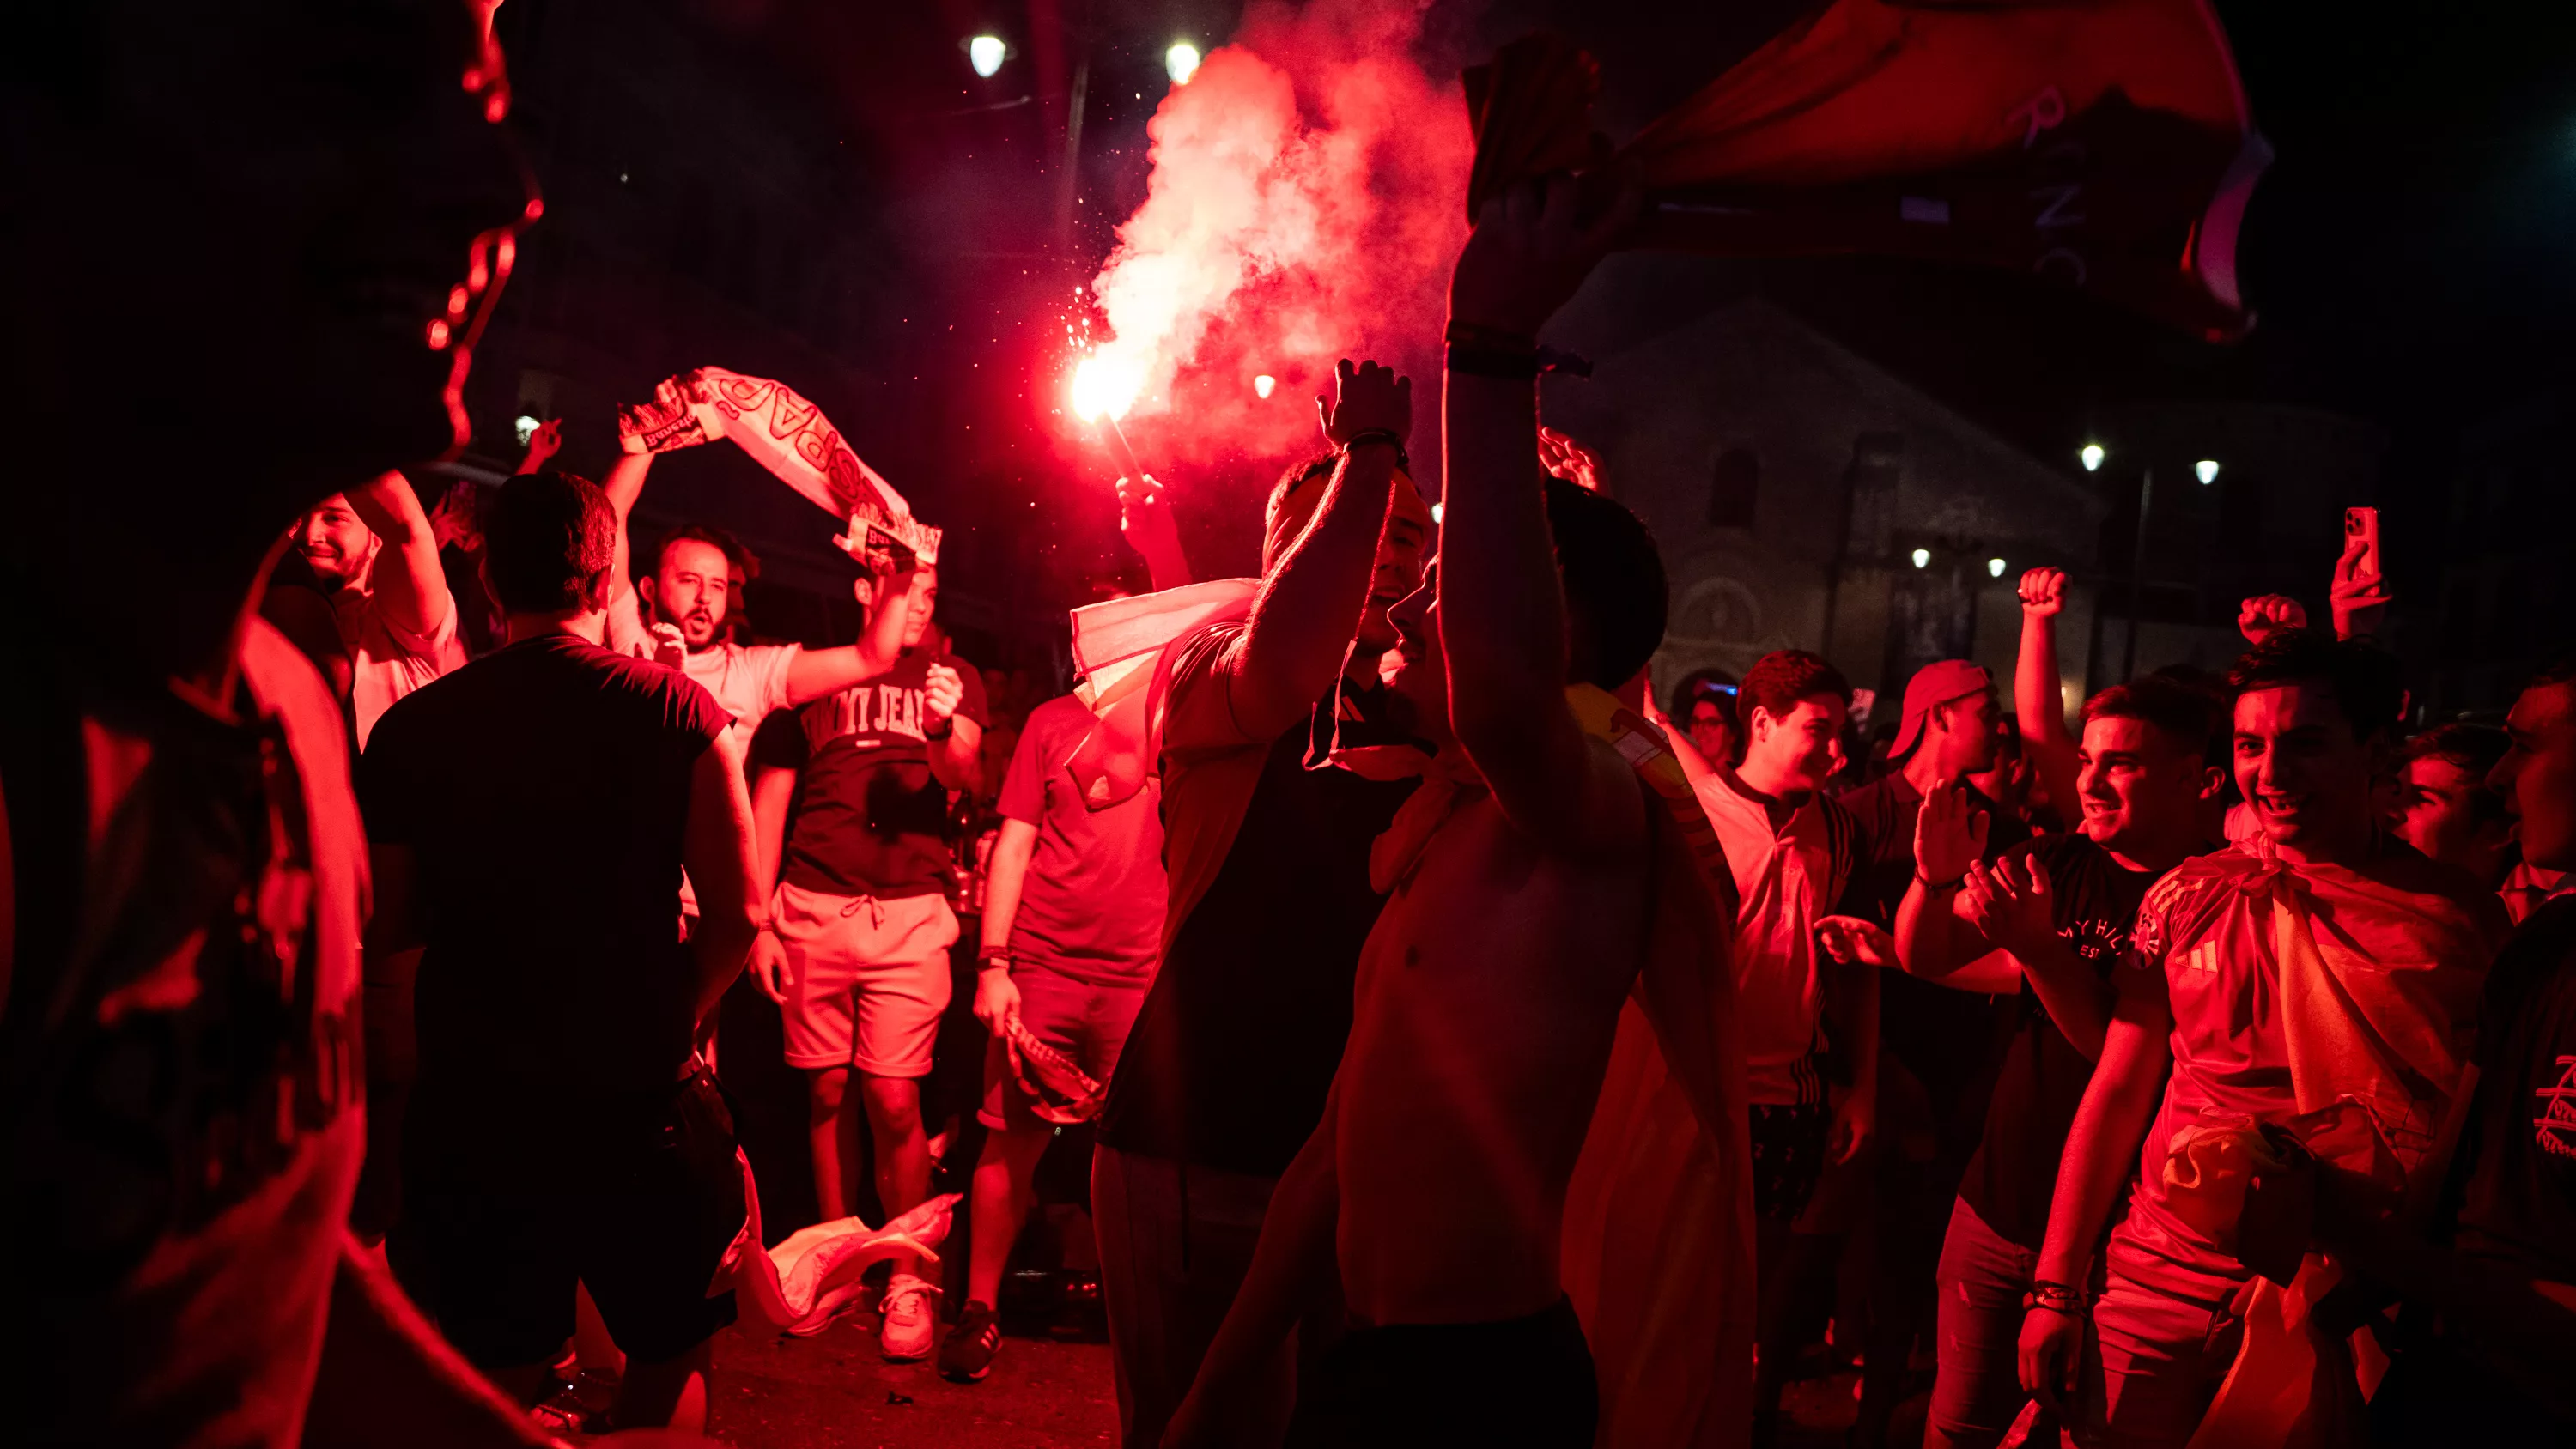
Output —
(2046, 922)
(2324, 970)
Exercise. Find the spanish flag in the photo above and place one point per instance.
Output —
(2099, 144)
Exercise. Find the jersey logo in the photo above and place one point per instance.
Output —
(2553, 1127)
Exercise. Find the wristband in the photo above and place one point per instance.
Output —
(1388, 436)
(1491, 339)
(1928, 883)
(993, 960)
(764, 928)
(2063, 1298)
(946, 728)
(1493, 362)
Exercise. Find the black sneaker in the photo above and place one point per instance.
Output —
(966, 1355)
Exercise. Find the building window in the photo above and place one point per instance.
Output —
(1733, 487)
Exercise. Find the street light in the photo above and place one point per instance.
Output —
(2206, 470)
(1182, 61)
(986, 53)
(1994, 568)
(1922, 558)
(2092, 454)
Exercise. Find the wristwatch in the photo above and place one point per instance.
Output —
(946, 728)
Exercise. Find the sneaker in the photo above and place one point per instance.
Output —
(905, 1332)
(967, 1353)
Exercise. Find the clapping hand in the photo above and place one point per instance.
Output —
(2018, 915)
(1949, 834)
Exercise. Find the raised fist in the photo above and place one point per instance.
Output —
(941, 692)
(2043, 592)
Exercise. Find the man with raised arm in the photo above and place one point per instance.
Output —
(1267, 848)
(2046, 922)
(856, 951)
(562, 1129)
(1526, 873)
(2320, 980)
(376, 557)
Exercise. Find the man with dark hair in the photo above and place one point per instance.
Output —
(2491, 1299)
(1527, 875)
(1704, 710)
(561, 1130)
(856, 949)
(2046, 923)
(1267, 849)
(1791, 851)
(2318, 981)
(2446, 809)
(185, 876)
(373, 556)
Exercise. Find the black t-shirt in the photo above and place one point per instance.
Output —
(1949, 1039)
(1235, 1048)
(2014, 1175)
(871, 819)
(544, 792)
(2520, 1201)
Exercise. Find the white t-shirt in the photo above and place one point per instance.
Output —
(748, 681)
(1787, 880)
(387, 661)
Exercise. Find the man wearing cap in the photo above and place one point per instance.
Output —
(1936, 1042)
(1267, 847)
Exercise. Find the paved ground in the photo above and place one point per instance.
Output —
(833, 1392)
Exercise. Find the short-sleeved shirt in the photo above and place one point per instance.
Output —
(871, 818)
(1951, 1040)
(2519, 1206)
(1235, 1047)
(544, 792)
(2013, 1177)
(749, 681)
(387, 661)
(1091, 906)
(2203, 940)
(1787, 877)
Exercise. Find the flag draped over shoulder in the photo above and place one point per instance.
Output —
(1658, 1235)
(2103, 144)
(787, 435)
(1122, 649)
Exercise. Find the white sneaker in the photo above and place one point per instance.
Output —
(909, 1325)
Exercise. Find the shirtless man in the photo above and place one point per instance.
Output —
(1489, 990)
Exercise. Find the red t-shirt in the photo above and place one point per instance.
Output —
(1092, 906)
(871, 820)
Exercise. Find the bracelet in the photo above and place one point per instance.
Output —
(2063, 1298)
(946, 728)
(1389, 436)
(1492, 339)
(1493, 362)
(992, 960)
(764, 928)
(1929, 884)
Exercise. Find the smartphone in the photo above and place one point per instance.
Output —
(2363, 524)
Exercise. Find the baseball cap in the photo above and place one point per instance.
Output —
(1937, 683)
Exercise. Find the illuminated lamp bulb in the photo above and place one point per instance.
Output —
(1262, 385)
(1438, 512)
(2092, 454)
(1182, 62)
(985, 53)
(1922, 558)
(2206, 470)
(1994, 568)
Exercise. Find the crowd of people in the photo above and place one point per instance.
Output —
(1484, 1046)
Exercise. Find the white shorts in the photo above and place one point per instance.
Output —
(867, 979)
